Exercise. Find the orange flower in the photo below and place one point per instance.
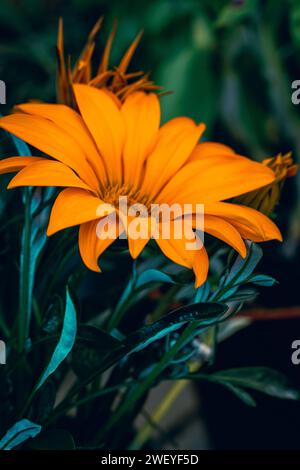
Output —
(266, 198)
(108, 151)
(115, 80)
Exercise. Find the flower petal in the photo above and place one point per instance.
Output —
(176, 140)
(47, 173)
(141, 113)
(51, 139)
(139, 231)
(241, 217)
(200, 266)
(173, 242)
(72, 123)
(91, 246)
(210, 149)
(215, 179)
(226, 232)
(104, 121)
(74, 206)
(12, 164)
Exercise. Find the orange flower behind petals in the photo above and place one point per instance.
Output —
(115, 80)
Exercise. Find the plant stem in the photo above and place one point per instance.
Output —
(25, 284)
(137, 393)
(145, 432)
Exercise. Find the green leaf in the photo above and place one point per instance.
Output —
(263, 379)
(21, 146)
(239, 273)
(18, 433)
(262, 280)
(65, 343)
(91, 349)
(205, 313)
(242, 268)
(152, 276)
(93, 336)
(44, 401)
(137, 284)
(202, 293)
(243, 295)
(239, 393)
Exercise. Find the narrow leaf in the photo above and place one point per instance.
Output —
(18, 433)
(263, 379)
(204, 313)
(239, 393)
(65, 343)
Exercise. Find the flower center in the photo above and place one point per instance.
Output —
(112, 193)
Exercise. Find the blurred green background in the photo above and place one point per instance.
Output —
(228, 63)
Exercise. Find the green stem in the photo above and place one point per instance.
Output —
(168, 400)
(25, 284)
(137, 393)
(60, 410)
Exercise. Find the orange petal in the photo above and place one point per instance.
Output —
(174, 244)
(104, 120)
(200, 266)
(139, 231)
(51, 139)
(91, 246)
(47, 173)
(127, 58)
(12, 164)
(240, 216)
(176, 140)
(72, 123)
(184, 252)
(215, 179)
(141, 113)
(73, 206)
(226, 232)
(210, 149)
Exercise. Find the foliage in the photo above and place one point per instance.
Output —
(101, 342)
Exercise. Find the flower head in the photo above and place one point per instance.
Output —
(109, 150)
(265, 199)
(115, 80)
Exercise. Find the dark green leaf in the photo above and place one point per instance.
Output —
(65, 343)
(262, 280)
(152, 276)
(242, 268)
(96, 338)
(91, 349)
(18, 433)
(44, 401)
(205, 313)
(263, 379)
(239, 393)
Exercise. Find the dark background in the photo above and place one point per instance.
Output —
(231, 65)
